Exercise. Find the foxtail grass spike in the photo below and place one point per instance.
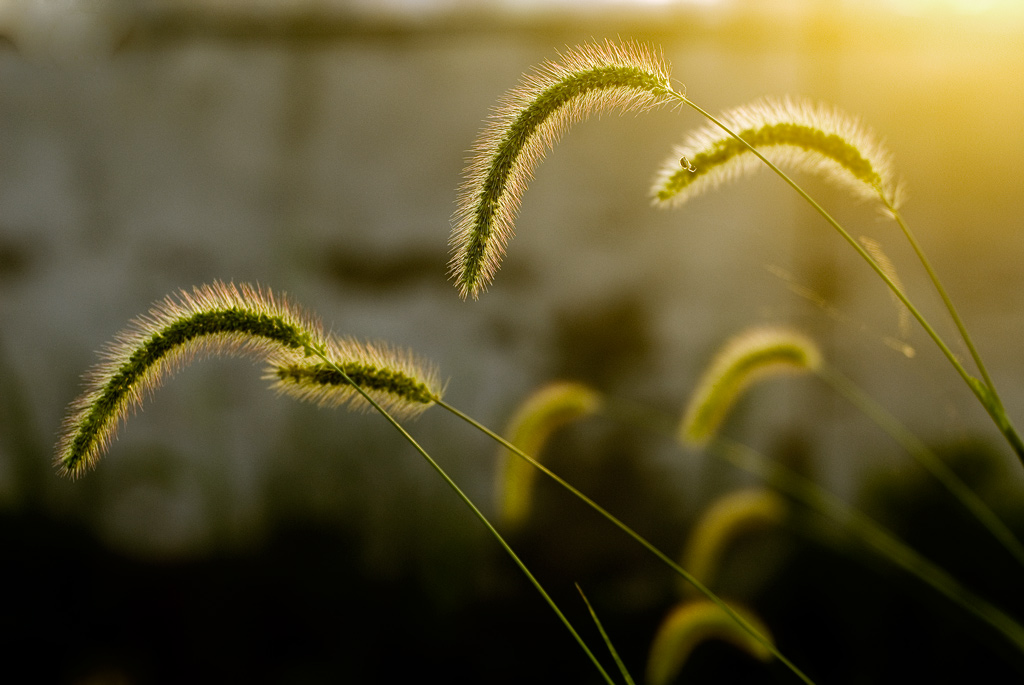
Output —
(530, 120)
(540, 415)
(211, 319)
(753, 355)
(790, 133)
(400, 382)
(218, 318)
(726, 520)
(691, 623)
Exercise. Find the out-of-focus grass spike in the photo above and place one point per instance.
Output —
(541, 414)
(753, 355)
(728, 518)
(691, 623)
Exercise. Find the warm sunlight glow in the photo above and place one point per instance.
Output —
(933, 8)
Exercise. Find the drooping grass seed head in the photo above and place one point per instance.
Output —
(726, 521)
(530, 120)
(397, 380)
(754, 355)
(538, 417)
(212, 319)
(791, 134)
(691, 623)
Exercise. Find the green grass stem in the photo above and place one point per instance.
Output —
(983, 390)
(607, 640)
(321, 353)
(703, 589)
(869, 533)
(925, 457)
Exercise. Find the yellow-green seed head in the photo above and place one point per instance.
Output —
(396, 379)
(530, 120)
(225, 319)
(538, 417)
(756, 354)
(792, 134)
(211, 319)
(691, 623)
(729, 518)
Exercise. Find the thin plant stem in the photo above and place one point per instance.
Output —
(941, 290)
(607, 640)
(925, 457)
(476, 511)
(983, 390)
(858, 524)
(1000, 416)
(869, 533)
(703, 589)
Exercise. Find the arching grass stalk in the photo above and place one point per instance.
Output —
(925, 457)
(983, 390)
(212, 319)
(321, 353)
(1000, 416)
(222, 318)
(869, 533)
(703, 589)
(531, 118)
(227, 319)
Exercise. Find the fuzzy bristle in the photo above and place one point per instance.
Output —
(398, 381)
(530, 120)
(790, 133)
(212, 319)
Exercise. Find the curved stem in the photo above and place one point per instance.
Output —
(926, 458)
(476, 511)
(995, 405)
(983, 390)
(743, 623)
(934, 277)
(869, 533)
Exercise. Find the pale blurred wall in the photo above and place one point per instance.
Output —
(320, 157)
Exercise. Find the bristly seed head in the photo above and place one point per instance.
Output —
(217, 319)
(792, 133)
(395, 379)
(530, 121)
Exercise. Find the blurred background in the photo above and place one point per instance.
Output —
(314, 146)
